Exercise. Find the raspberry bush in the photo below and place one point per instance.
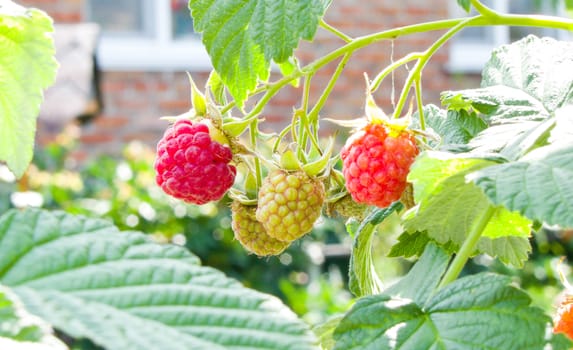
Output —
(482, 174)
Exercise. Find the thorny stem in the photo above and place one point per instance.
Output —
(335, 31)
(467, 249)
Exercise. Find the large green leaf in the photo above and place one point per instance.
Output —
(243, 36)
(453, 127)
(363, 279)
(500, 102)
(539, 67)
(421, 281)
(27, 66)
(123, 291)
(476, 312)
(540, 185)
(524, 86)
(526, 80)
(449, 206)
(21, 330)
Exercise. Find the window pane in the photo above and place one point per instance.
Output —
(120, 17)
(182, 21)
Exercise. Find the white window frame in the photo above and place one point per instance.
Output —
(471, 56)
(160, 52)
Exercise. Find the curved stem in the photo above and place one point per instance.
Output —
(417, 71)
(258, 170)
(467, 249)
(390, 68)
(483, 10)
(334, 31)
(313, 115)
(420, 104)
(360, 42)
(306, 93)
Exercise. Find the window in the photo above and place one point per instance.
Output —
(471, 48)
(150, 35)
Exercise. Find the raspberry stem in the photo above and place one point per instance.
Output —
(467, 249)
(416, 73)
(482, 9)
(334, 31)
(258, 171)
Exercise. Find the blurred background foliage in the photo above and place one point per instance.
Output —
(310, 276)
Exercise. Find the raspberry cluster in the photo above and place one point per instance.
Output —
(191, 166)
(376, 163)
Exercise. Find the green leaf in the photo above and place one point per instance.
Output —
(500, 102)
(27, 67)
(454, 127)
(496, 138)
(510, 250)
(465, 4)
(563, 130)
(122, 291)
(541, 68)
(421, 281)
(325, 332)
(243, 36)
(539, 185)
(476, 312)
(414, 244)
(409, 245)
(362, 275)
(449, 206)
(21, 330)
(524, 86)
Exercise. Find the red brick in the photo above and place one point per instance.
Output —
(181, 105)
(96, 138)
(110, 122)
(67, 17)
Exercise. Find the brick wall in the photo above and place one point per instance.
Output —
(133, 101)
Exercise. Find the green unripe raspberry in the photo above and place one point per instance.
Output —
(348, 208)
(251, 233)
(289, 204)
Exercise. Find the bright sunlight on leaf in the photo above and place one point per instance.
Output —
(243, 37)
(123, 291)
(27, 67)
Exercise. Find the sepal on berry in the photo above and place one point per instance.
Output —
(197, 98)
(318, 166)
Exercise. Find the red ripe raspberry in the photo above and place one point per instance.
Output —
(191, 166)
(376, 164)
(564, 319)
